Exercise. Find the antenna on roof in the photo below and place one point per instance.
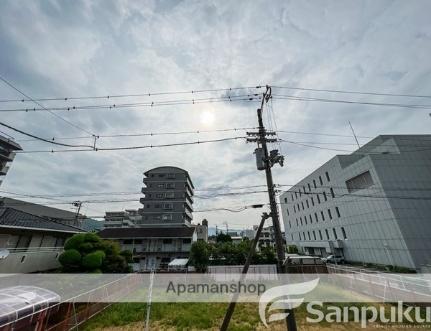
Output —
(354, 134)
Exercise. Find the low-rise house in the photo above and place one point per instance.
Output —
(153, 248)
(30, 243)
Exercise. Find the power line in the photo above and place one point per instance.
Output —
(147, 94)
(131, 147)
(41, 139)
(151, 104)
(352, 92)
(143, 134)
(40, 105)
(368, 103)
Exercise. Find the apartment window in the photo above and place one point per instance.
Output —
(323, 215)
(161, 175)
(300, 236)
(138, 241)
(303, 234)
(359, 182)
(316, 217)
(160, 195)
(287, 210)
(171, 176)
(305, 219)
(311, 219)
(314, 183)
(296, 195)
(332, 193)
(327, 176)
(294, 208)
(306, 202)
(290, 225)
(167, 241)
(309, 187)
(167, 217)
(312, 201)
(327, 234)
(297, 224)
(301, 221)
(335, 233)
(324, 196)
(303, 189)
(170, 185)
(314, 235)
(297, 207)
(127, 242)
(291, 237)
(148, 206)
(168, 206)
(285, 200)
(320, 235)
(318, 198)
(300, 193)
(338, 212)
(302, 204)
(344, 233)
(291, 196)
(161, 185)
(156, 205)
(309, 237)
(330, 214)
(320, 180)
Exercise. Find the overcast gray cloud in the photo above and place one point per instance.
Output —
(72, 48)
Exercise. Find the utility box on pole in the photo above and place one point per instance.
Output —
(260, 158)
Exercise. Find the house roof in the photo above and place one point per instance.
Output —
(161, 232)
(12, 218)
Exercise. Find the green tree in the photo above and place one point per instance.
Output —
(200, 255)
(87, 252)
(223, 238)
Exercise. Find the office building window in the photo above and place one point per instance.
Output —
(311, 219)
(316, 217)
(314, 235)
(330, 214)
(309, 237)
(335, 233)
(359, 182)
(327, 234)
(318, 198)
(320, 180)
(320, 235)
(306, 202)
(314, 183)
(338, 212)
(332, 193)
(344, 233)
(323, 215)
(327, 176)
(305, 219)
(300, 236)
(309, 187)
(312, 201)
(324, 196)
(303, 234)
(302, 204)
(300, 219)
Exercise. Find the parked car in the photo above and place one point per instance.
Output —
(333, 259)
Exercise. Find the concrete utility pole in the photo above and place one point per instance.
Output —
(269, 159)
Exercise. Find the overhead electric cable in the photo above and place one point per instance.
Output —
(40, 105)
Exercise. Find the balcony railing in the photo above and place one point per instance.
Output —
(31, 250)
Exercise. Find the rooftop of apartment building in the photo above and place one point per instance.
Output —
(9, 144)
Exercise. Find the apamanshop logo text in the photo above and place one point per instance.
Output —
(205, 288)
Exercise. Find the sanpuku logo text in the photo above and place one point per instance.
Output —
(284, 302)
(368, 314)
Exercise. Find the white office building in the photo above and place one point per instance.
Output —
(371, 206)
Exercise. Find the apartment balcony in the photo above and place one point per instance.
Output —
(7, 155)
(4, 170)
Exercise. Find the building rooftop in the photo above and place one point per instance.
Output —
(11, 143)
(117, 233)
(10, 217)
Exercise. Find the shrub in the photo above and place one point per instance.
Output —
(75, 241)
(70, 258)
(93, 260)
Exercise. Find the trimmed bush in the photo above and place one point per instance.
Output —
(75, 241)
(93, 260)
(71, 257)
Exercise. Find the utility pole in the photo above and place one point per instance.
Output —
(77, 204)
(265, 161)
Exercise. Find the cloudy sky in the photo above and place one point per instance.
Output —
(96, 48)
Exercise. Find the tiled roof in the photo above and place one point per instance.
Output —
(10, 217)
(161, 232)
